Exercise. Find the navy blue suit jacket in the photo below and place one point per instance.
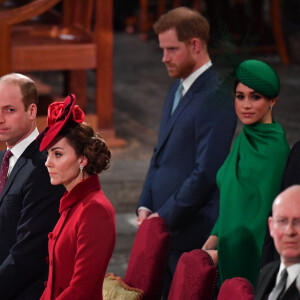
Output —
(192, 145)
(266, 283)
(28, 212)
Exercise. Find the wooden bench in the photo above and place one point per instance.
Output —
(81, 40)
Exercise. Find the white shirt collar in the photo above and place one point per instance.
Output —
(187, 82)
(293, 272)
(18, 149)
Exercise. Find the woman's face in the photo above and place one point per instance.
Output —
(252, 107)
(63, 163)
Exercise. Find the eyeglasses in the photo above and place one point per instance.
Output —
(283, 223)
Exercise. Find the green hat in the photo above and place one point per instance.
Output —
(259, 76)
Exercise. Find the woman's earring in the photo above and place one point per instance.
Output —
(81, 172)
(270, 107)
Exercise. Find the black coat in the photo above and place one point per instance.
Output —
(267, 281)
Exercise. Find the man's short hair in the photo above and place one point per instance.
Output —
(27, 86)
(188, 24)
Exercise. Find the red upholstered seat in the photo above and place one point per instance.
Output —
(236, 288)
(195, 277)
(148, 258)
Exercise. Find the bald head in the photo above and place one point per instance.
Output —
(288, 198)
(285, 225)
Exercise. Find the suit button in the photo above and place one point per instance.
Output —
(50, 235)
(156, 166)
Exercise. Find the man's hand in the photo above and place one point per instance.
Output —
(154, 215)
(142, 215)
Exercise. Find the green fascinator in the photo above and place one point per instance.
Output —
(259, 76)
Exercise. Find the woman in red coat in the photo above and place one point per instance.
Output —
(83, 239)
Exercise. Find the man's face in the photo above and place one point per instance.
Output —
(177, 56)
(285, 227)
(15, 122)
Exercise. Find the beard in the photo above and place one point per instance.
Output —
(181, 70)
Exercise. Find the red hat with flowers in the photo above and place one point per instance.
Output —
(59, 113)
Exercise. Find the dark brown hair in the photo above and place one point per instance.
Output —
(85, 142)
(187, 22)
(27, 87)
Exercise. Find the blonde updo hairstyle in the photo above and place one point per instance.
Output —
(85, 142)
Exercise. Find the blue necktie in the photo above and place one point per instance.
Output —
(177, 97)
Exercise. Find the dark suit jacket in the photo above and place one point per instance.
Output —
(28, 212)
(192, 145)
(267, 281)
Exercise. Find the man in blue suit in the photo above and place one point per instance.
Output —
(194, 138)
(28, 202)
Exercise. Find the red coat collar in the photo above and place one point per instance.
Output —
(69, 199)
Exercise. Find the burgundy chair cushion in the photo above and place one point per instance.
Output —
(236, 288)
(148, 258)
(195, 277)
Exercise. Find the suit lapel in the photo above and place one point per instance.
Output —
(172, 120)
(2, 156)
(17, 167)
(168, 120)
(266, 282)
(291, 293)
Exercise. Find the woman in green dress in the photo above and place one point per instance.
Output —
(249, 179)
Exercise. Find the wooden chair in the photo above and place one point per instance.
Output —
(145, 22)
(81, 41)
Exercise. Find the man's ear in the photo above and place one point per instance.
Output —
(32, 111)
(196, 45)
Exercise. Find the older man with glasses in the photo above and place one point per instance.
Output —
(279, 279)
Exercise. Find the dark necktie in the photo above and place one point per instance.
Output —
(177, 96)
(280, 287)
(4, 169)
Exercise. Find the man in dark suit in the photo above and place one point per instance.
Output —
(194, 138)
(28, 202)
(281, 279)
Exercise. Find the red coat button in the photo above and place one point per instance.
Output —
(45, 283)
(50, 235)
(47, 259)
